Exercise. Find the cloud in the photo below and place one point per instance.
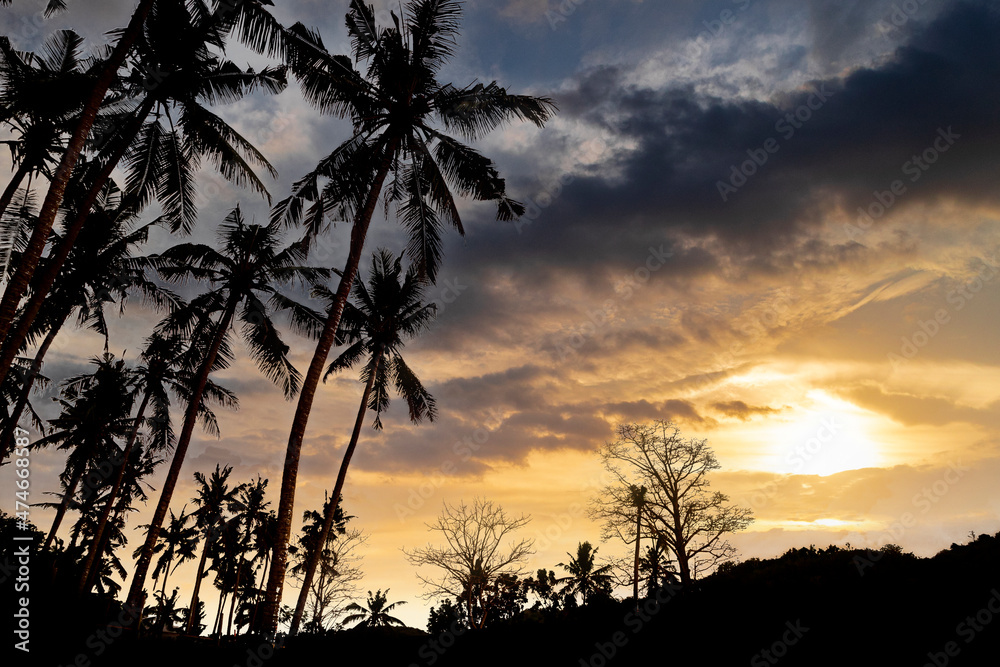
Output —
(642, 410)
(860, 131)
(741, 410)
(915, 410)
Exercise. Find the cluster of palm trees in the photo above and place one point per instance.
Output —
(235, 532)
(144, 106)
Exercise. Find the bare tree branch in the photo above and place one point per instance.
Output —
(480, 549)
(678, 509)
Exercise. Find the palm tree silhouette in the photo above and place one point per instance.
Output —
(40, 101)
(392, 108)
(95, 411)
(388, 311)
(103, 268)
(585, 577)
(178, 542)
(251, 511)
(214, 498)
(159, 374)
(247, 269)
(376, 612)
(309, 544)
(162, 154)
(226, 561)
(105, 76)
(264, 537)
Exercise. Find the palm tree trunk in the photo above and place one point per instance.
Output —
(64, 504)
(217, 626)
(236, 594)
(58, 256)
(163, 589)
(193, 608)
(680, 547)
(331, 509)
(260, 589)
(95, 567)
(15, 183)
(635, 571)
(18, 285)
(102, 523)
(190, 417)
(29, 381)
(307, 394)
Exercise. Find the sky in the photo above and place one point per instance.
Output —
(775, 223)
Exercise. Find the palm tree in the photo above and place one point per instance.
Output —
(655, 563)
(178, 541)
(247, 269)
(265, 536)
(214, 498)
(227, 562)
(18, 285)
(376, 613)
(95, 412)
(637, 498)
(102, 269)
(166, 615)
(159, 374)
(316, 542)
(252, 511)
(388, 311)
(119, 496)
(585, 577)
(392, 108)
(41, 96)
(162, 155)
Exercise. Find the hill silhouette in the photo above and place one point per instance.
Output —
(809, 606)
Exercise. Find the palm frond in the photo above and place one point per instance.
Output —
(434, 25)
(266, 347)
(476, 110)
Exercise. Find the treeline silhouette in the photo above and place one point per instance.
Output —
(809, 606)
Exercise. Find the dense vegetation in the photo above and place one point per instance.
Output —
(848, 606)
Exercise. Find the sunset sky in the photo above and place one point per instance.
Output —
(774, 222)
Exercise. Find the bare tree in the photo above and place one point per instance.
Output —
(481, 549)
(336, 579)
(677, 508)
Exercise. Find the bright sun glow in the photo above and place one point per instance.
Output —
(830, 436)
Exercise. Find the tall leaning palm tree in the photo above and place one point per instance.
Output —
(105, 76)
(247, 269)
(395, 108)
(388, 310)
(167, 133)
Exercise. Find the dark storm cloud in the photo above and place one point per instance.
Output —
(943, 87)
(27, 26)
(861, 131)
(509, 389)
(869, 125)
